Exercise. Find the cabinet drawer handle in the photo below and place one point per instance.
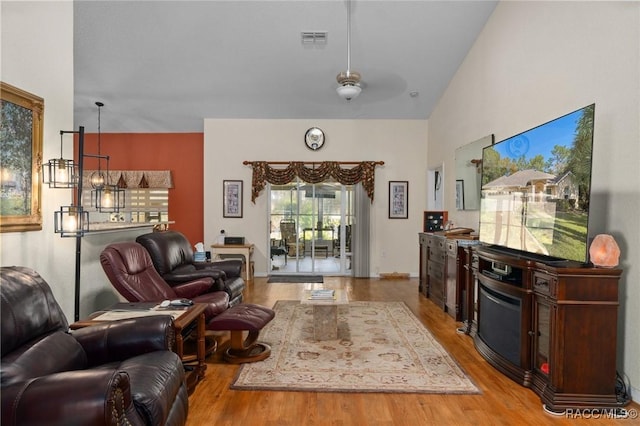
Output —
(541, 283)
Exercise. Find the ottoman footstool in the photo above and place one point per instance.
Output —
(238, 319)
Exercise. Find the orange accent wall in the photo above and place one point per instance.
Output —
(182, 153)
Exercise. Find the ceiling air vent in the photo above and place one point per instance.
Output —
(314, 37)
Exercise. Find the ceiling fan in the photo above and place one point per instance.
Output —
(349, 81)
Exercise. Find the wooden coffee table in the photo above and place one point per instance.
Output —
(185, 321)
(325, 314)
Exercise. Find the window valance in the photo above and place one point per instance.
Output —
(281, 173)
(133, 178)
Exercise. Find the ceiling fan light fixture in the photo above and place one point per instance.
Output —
(349, 87)
(349, 81)
(348, 91)
(348, 77)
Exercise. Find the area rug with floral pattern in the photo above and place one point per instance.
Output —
(381, 347)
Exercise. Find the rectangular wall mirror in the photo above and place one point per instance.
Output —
(468, 173)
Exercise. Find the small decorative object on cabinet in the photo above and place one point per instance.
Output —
(604, 251)
(434, 221)
(550, 326)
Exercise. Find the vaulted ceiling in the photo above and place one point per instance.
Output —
(165, 66)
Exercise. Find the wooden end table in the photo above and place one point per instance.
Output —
(245, 250)
(184, 321)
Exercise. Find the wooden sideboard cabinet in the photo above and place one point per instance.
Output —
(422, 271)
(469, 283)
(454, 276)
(460, 301)
(550, 326)
(433, 256)
(445, 271)
(436, 268)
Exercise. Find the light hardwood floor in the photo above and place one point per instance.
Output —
(502, 402)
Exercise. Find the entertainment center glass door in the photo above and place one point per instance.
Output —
(542, 335)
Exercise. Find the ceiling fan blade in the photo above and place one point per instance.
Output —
(381, 85)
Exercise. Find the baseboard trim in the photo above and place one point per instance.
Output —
(394, 275)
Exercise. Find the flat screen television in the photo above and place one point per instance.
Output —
(536, 187)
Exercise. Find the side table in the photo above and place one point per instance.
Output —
(246, 250)
(185, 321)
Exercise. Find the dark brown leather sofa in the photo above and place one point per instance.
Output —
(116, 373)
(172, 256)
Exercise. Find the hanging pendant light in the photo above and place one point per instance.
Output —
(107, 198)
(349, 81)
(71, 221)
(59, 172)
(97, 179)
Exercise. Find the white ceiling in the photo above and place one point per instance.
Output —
(165, 66)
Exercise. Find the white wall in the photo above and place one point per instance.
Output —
(533, 62)
(37, 56)
(401, 144)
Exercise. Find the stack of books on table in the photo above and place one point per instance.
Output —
(322, 295)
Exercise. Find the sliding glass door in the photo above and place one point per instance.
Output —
(310, 228)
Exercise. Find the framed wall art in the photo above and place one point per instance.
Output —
(398, 199)
(21, 115)
(459, 194)
(232, 198)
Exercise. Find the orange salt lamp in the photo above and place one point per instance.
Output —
(604, 251)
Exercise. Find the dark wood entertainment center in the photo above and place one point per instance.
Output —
(566, 348)
(548, 325)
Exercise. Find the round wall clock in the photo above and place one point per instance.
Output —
(314, 138)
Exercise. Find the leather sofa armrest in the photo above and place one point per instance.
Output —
(123, 339)
(103, 395)
(195, 288)
(231, 267)
(190, 273)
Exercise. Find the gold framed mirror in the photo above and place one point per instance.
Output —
(20, 159)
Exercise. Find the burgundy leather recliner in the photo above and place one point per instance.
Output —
(120, 372)
(172, 255)
(129, 268)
